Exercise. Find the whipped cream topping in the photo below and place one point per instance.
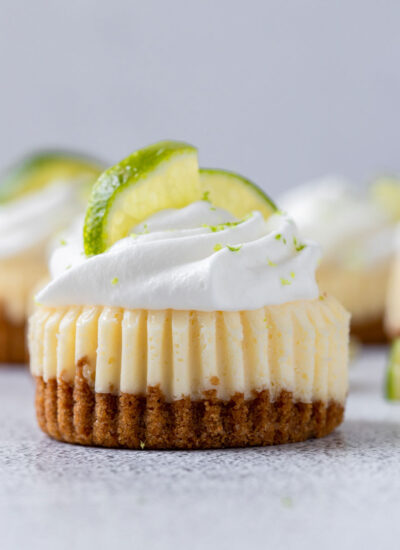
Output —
(33, 219)
(198, 257)
(351, 228)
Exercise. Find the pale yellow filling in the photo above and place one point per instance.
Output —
(361, 291)
(19, 277)
(301, 347)
(392, 316)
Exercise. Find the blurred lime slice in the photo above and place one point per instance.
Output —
(37, 171)
(393, 373)
(386, 193)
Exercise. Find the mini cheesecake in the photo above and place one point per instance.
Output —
(38, 197)
(392, 317)
(187, 379)
(356, 234)
(363, 293)
(199, 326)
(18, 277)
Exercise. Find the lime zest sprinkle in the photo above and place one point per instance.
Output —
(298, 246)
(133, 235)
(68, 266)
(220, 226)
(217, 247)
(63, 242)
(142, 445)
(322, 297)
(268, 325)
(292, 274)
(234, 248)
(278, 237)
(145, 228)
(271, 264)
(206, 196)
(212, 208)
(115, 281)
(285, 282)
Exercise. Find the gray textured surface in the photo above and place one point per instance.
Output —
(339, 492)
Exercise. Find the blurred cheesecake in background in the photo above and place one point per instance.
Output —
(392, 313)
(387, 193)
(38, 197)
(356, 232)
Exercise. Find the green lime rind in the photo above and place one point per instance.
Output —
(40, 169)
(392, 383)
(239, 185)
(129, 172)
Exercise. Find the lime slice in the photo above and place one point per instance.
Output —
(37, 171)
(393, 373)
(234, 193)
(163, 175)
(386, 193)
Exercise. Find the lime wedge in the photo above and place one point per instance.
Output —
(163, 175)
(386, 193)
(36, 171)
(393, 373)
(234, 193)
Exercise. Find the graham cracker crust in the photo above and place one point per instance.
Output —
(13, 346)
(77, 414)
(371, 331)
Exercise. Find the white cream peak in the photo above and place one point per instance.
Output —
(194, 258)
(32, 219)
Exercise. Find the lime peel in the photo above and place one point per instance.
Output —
(163, 175)
(235, 193)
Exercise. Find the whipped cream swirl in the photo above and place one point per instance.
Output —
(31, 220)
(198, 257)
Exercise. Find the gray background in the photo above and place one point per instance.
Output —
(281, 91)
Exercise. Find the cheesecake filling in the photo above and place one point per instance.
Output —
(299, 347)
(362, 292)
(18, 276)
(195, 258)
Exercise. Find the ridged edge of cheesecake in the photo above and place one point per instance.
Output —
(77, 414)
(300, 347)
